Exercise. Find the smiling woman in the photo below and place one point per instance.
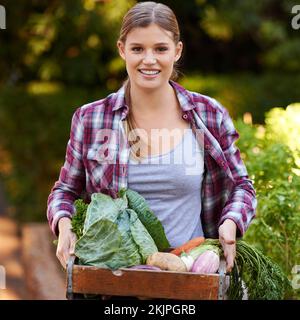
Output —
(150, 54)
(207, 191)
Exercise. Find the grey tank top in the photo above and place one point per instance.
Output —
(171, 184)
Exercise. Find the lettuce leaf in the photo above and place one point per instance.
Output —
(102, 206)
(155, 228)
(98, 244)
(113, 235)
(141, 236)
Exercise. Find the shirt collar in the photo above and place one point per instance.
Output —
(184, 97)
(118, 99)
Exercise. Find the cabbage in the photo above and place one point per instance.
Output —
(113, 236)
(147, 217)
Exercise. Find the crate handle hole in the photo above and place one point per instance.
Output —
(117, 273)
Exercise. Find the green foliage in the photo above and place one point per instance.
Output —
(271, 164)
(34, 130)
(263, 277)
(79, 217)
(69, 41)
(288, 120)
(75, 41)
(264, 27)
(247, 92)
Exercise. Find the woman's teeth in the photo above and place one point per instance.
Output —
(149, 72)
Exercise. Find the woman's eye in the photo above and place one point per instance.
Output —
(136, 49)
(161, 49)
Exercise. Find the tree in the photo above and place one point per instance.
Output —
(71, 40)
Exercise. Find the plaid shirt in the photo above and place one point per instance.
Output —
(97, 158)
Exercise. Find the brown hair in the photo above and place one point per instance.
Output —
(142, 15)
(145, 13)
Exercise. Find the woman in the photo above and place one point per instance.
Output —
(212, 197)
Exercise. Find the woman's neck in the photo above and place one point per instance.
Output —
(146, 104)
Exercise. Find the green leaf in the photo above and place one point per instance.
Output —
(113, 236)
(78, 218)
(141, 236)
(98, 244)
(148, 219)
(101, 206)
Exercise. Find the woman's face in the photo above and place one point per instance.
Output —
(150, 54)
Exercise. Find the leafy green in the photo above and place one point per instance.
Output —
(263, 278)
(272, 160)
(147, 217)
(79, 217)
(113, 236)
(101, 206)
(99, 243)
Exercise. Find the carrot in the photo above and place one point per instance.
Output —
(186, 247)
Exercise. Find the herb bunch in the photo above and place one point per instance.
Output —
(79, 217)
(263, 278)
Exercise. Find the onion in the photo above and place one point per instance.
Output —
(188, 261)
(144, 267)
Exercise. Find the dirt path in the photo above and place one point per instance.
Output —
(28, 267)
(45, 278)
(10, 262)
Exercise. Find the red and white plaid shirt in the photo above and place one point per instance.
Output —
(97, 159)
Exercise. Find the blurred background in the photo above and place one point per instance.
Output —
(57, 55)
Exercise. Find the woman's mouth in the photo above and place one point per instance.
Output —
(149, 73)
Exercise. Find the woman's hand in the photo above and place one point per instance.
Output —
(227, 238)
(66, 241)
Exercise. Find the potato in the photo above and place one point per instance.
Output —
(166, 261)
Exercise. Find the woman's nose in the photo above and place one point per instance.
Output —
(149, 59)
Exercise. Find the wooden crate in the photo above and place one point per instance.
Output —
(145, 283)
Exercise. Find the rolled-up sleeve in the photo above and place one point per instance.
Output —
(71, 180)
(241, 204)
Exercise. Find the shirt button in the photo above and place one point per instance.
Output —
(123, 170)
(207, 146)
(185, 116)
(223, 164)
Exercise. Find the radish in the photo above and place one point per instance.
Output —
(190, 257)
(207, 262)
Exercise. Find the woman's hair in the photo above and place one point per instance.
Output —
(142, 15)
(145, 13)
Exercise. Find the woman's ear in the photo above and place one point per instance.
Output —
(179, 48)
(120, 45)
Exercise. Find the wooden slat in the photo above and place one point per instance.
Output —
(153, 284)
